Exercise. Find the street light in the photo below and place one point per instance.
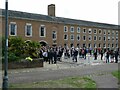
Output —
(5, 78)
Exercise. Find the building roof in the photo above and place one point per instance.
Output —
(40, 17)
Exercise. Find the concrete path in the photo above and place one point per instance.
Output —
(105, 81)
(99, 73)
(96, 69)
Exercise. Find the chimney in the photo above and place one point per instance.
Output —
(51, 10)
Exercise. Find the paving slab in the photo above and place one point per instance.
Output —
(105, 81)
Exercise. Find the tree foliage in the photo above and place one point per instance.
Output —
(19, 49)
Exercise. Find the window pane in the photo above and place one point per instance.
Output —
(42, 31)
(12, 32)
(78, 29)
(54, 35)
(29, 28)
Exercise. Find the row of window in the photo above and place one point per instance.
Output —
(89, 37)
(90, 30)
(104, 45)
(28, 30)
(42, 33)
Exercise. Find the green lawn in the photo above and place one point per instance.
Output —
(117, 75)
(69, 82)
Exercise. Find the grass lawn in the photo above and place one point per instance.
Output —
(69, 82)
(117, 75)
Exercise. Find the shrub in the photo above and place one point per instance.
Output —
(18, 48)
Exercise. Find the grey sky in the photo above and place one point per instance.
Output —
(105, 11)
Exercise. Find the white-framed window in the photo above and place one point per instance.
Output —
(109, 32)
(95, 38)
(99, 45)
(104, 32)
(65, 37)
(54, 35)
(113, 32)
(95, 45)
(28, 30)
(112, 45)
(116, 45)
(84, 45)
(84, 38)
(95, 31)
(89, 37)
(71, 45)
(116, 38)
(78, 29)
(42, 31)
(71, 29)
(84, 30)
(13, 29)
(108, 45)
(108, 38)
(89, 45)
(100, 38)
(104, 45)
(104, 38)
(78, 37)
(116, 33)
(100, 31)
(65, 29)
(72, 37)
(90, 31)
(113, 38)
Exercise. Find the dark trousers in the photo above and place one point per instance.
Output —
(116, 59)
(50, 60)
(95, 57)
(101, 57)
(107, 60)
(74, 57)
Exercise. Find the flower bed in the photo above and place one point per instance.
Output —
(25, 64)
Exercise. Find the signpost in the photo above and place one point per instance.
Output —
(5, 78)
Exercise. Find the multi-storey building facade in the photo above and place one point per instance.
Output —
(52, 30)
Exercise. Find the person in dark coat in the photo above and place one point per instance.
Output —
(116, 56)
(55, 55)
(50, 56)
(107, 57)
(85, 52)
(95, 54)
(101, 52)
(75, 53)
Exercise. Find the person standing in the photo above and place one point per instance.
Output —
(45, 55)
(116, 56)
(55, 55)
(50, 55)
(85, 52)
(107, 57)
(101, 54)
(75, 53)
(95, 54)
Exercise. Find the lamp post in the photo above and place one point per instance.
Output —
(5, 78)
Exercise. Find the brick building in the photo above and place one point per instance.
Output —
(52, 30)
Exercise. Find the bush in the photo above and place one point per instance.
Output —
(13, 57)
(18, 49)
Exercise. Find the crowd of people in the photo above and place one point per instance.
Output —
(54, 54)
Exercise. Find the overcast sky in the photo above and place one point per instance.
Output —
(105, 11)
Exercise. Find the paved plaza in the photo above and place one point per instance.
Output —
(98, 70)
(68, 62)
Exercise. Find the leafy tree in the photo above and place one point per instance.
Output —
(18, 49)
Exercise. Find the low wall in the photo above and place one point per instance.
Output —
(25, 64)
